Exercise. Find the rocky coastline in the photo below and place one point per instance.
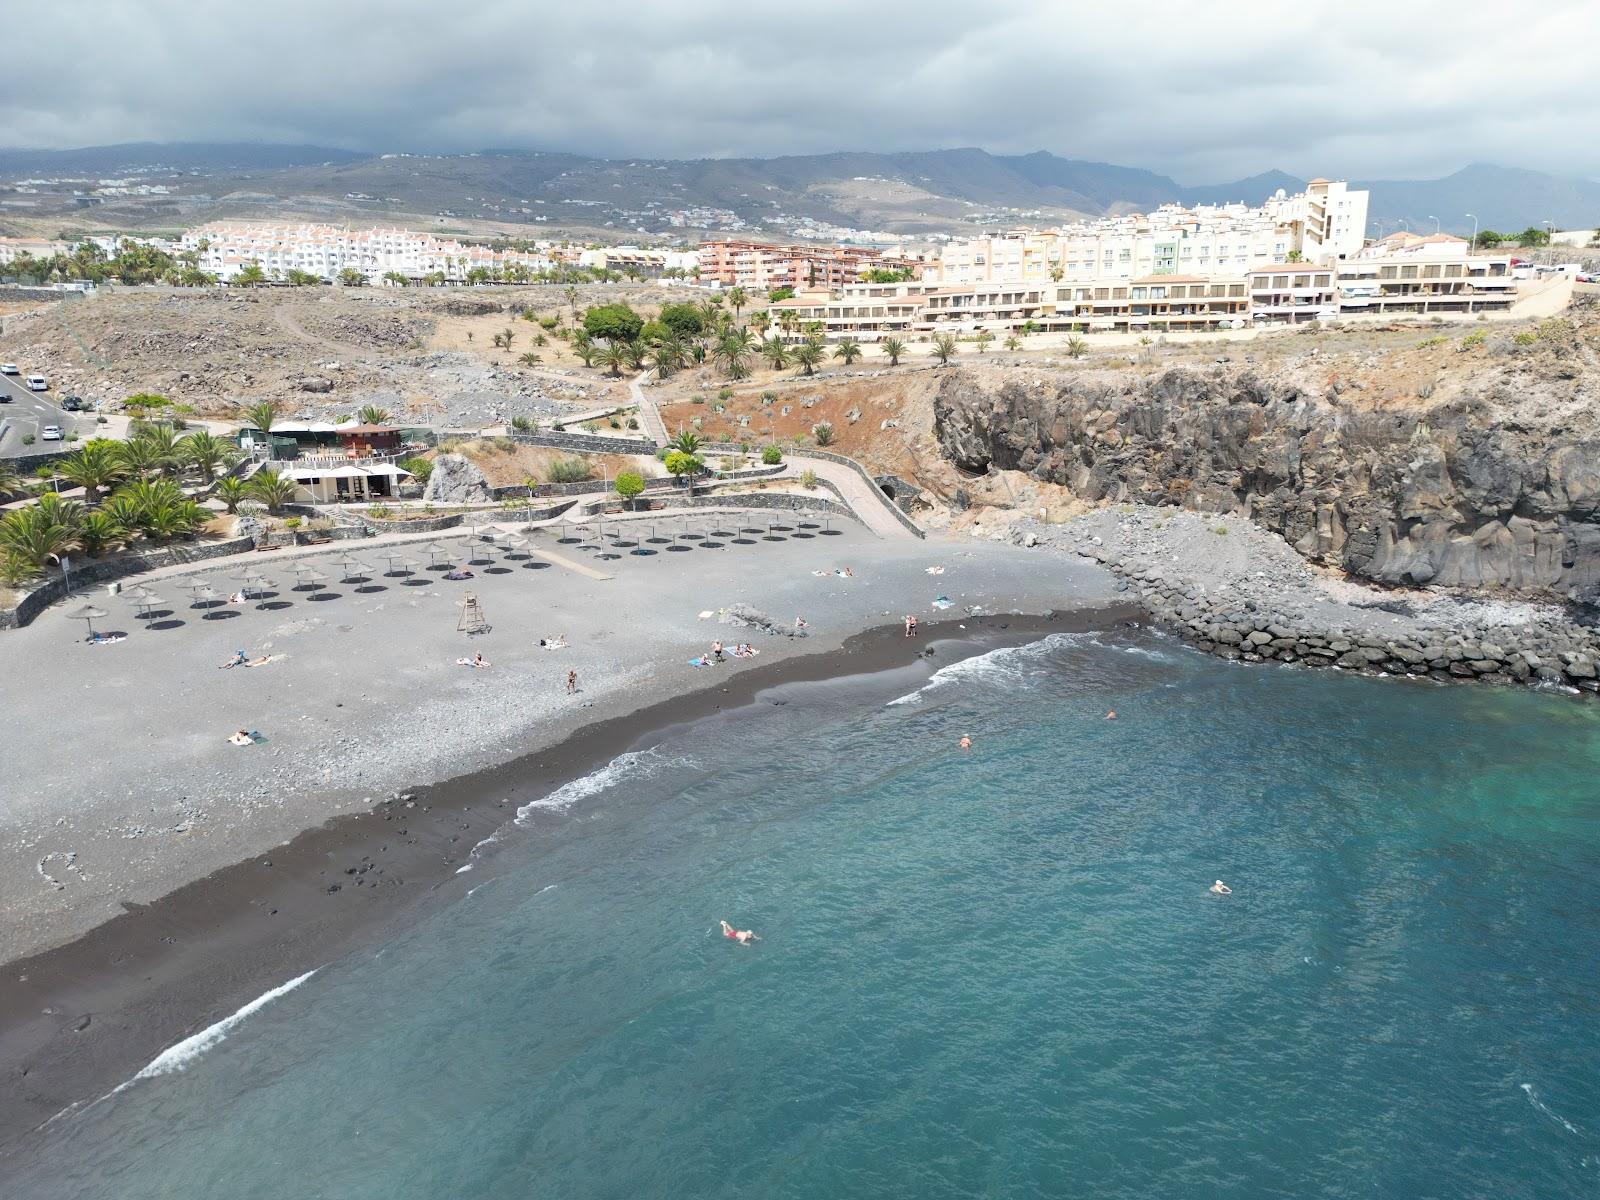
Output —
(1280, 610)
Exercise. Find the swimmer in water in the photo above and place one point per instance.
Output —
(1112, 715)
(743, 936)
(966, 742)
(1221, 889)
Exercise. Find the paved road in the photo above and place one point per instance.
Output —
(29, 412)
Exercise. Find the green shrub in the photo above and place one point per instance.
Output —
(614, 423)
(380, 512)
(823, 432)
(808, 479)
(1526, 338)
(1473, 340)
(629, 484)
(772, 456)
(291, 522)
(1220, 529)
(27, 439)
(568, 470)
(422, 468)
(523, 424)
(633, 422)
(725, 394)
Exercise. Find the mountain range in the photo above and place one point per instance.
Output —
(820, 195)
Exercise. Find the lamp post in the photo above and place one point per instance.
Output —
(1435, 221)
(1473, 245)
(1550, 239)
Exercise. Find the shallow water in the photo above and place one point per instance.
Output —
(996, 973)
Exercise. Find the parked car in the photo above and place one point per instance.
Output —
(50, 433)
(72, 404)
(10, 369)
(38, 383)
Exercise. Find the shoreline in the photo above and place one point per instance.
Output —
(81, 1018)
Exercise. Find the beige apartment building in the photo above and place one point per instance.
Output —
(1292, 294)
(1443, 284)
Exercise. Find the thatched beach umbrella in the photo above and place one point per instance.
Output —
(145, 602)
(437, 551)
(354, 570)
(308, 576)
(88, 613)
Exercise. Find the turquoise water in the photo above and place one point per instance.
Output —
(996, 973)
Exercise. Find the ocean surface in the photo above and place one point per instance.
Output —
(990, 973)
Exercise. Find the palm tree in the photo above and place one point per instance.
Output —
(233, 491)
(737, 299)
(98, 464)
(529, 359)
(261, 416)
(163, 440)
(99, 531)
(638, 355)
(271, 489)
(761, 321)
(206, 452)
(10, 481)
(371, 414)
(615, 357)
(945, 348)
(583, 346)
(37, 534)
(808, 354)
(142, 456)
(893, 348)
(1076, 347)
(849, 350)
(1013, 342)
(787, 320)
(733, 352)
(775, 352)
(686, 441)
(983, 338)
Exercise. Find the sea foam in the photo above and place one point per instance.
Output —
(633, 766)
(1006, 664)
(182, 1055)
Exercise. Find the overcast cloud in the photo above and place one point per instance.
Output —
(1206, 90)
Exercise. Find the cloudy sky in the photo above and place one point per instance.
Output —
(1205, 90)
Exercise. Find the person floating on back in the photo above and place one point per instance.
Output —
(743, 936)
(1221, 889)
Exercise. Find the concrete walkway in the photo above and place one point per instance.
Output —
(649, 415)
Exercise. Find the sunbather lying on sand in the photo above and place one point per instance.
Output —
(259, 661)
(555, 643)
(105, 639)
(238, 660)
(477, 660)
(460, 573)
(745, 650)
(242, 737)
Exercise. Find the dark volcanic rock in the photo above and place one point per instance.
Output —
(1456, 495)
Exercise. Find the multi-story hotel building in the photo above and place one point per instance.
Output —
(763, 265)
(225, 250)
(1323, 224)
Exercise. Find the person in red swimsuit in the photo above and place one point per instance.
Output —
(743, 936)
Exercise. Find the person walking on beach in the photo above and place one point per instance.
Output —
(572, 683)
(911, 625)
(743, 936)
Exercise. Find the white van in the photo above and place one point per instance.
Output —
(37, 383)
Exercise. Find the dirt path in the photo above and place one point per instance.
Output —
(294, 329)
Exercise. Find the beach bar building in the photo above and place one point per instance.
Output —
(336, 479)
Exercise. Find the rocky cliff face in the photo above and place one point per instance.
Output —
(1495, 485)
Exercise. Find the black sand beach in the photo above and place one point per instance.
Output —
(77, 1020)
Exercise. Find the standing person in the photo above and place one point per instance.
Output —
(911, 625)
(716, 652)
(572, 682)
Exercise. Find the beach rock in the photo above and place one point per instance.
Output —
(457, 480)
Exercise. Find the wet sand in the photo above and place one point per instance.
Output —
(78, 1020)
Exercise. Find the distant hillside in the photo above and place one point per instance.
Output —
(111, 161)
(821, 195)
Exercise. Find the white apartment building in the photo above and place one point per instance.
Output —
(1325, 223)
(646, 261)
(13, 248)
(325, 251)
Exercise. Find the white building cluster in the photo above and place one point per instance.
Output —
(324, 251)
(1324, 224)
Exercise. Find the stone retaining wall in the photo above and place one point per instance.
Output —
(812, 452)
(586, 487)
(588, 443)
(778, 501)
(93, 571)
(1555, 654)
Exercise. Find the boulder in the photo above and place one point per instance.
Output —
(456, 480)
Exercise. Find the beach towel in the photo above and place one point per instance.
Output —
(699, 662)
(942, 602)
